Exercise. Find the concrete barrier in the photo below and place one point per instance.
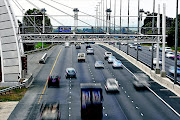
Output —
(28, 80)
(164, 81)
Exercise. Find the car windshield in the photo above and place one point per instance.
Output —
(81, 55)
(112, 82)
(108, 53)
(71, 71)
(99, 62)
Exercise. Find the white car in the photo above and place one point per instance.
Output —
(111, 59)
(81, 57)
(168, 49)
(90, 51)
(155, 61)
(170, 55)
(140, 81)
(99, 64)
(150, 48)
(132, 46)
(67, 44)
(107, 54)
(117, 64)
(112, 85)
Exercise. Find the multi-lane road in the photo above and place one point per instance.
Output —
(145, 56)
(129, 104)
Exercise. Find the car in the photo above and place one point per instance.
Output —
(111, 59)
(178, 63)
(70, 73)
(168, 49)
(78, 46)
(178, 57)
(50, 111)
(53, 81)
(81, 57)
(170, 55)
(67, 44)
(140, 81)
(88, 46)
(111, 85)
(132, 46)
(171, 70)
(150, 48)
(139, 47)
(99, 64)
(107, 54)
(155, 60)
(90, 51)
(117, 64)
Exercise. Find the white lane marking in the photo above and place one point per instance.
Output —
(69, 102)
(93, 78)
(164, 90)
(103, 107)
(69, 115)
(69, 96)
(70, 92)
(157, 95)
(106, 115)
(174, 97)
(124, 91)
(164, 102)
(128, 96)
(142, 114)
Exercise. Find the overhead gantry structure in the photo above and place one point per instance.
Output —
(11, 39)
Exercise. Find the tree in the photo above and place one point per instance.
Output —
(28, 22)
(171, 33)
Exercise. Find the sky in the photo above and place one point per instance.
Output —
(89, 6)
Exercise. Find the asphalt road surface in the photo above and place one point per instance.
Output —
(145, 56)
(129, 104)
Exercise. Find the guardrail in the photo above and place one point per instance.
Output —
(32, 51)
(11, 88)
(25, 83)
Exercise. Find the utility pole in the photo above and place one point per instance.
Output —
(120, 14)
(176, 44)
(43, 12)
(138, 15)
(128, 17)
(163, 72)
(114, 15)
(103, 16)
(157, 70)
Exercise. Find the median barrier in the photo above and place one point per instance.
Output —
(164, 81)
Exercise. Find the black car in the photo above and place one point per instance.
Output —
(78, 47)
(70, 73)
(88, 46)
(53, 81)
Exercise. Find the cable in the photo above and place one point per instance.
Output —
(82, 12)
(46, 13)
(63, 12)
(26, 16)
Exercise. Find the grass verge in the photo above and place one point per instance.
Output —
(13, 95)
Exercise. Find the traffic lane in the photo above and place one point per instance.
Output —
(111, 107)
(129, 110)
(139, 98)
(26, 105)
(145, 57)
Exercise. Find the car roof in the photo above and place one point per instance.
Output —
(111, 79)
(70, 69)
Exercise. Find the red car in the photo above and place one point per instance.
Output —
(53, 81)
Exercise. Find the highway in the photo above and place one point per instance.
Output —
(129, 104)
(145, 57)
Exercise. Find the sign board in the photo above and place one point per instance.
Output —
(64, 29)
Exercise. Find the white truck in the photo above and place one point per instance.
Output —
(81, 57)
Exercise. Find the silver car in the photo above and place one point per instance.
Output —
(111, 59)
(90, 51)
(99, 64)
(117, 64)
(112, 85)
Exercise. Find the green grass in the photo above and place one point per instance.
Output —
(178, 49)
(39, 45)
(13, 95)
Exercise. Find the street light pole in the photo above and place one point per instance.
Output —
(114, 15)
(176, 43)
(163, 72)
(138, 15)
(120, 14)
(128, 16)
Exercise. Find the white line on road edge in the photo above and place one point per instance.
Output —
(156, 95)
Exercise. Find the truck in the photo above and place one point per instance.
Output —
(91, 101)
(81, 57)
